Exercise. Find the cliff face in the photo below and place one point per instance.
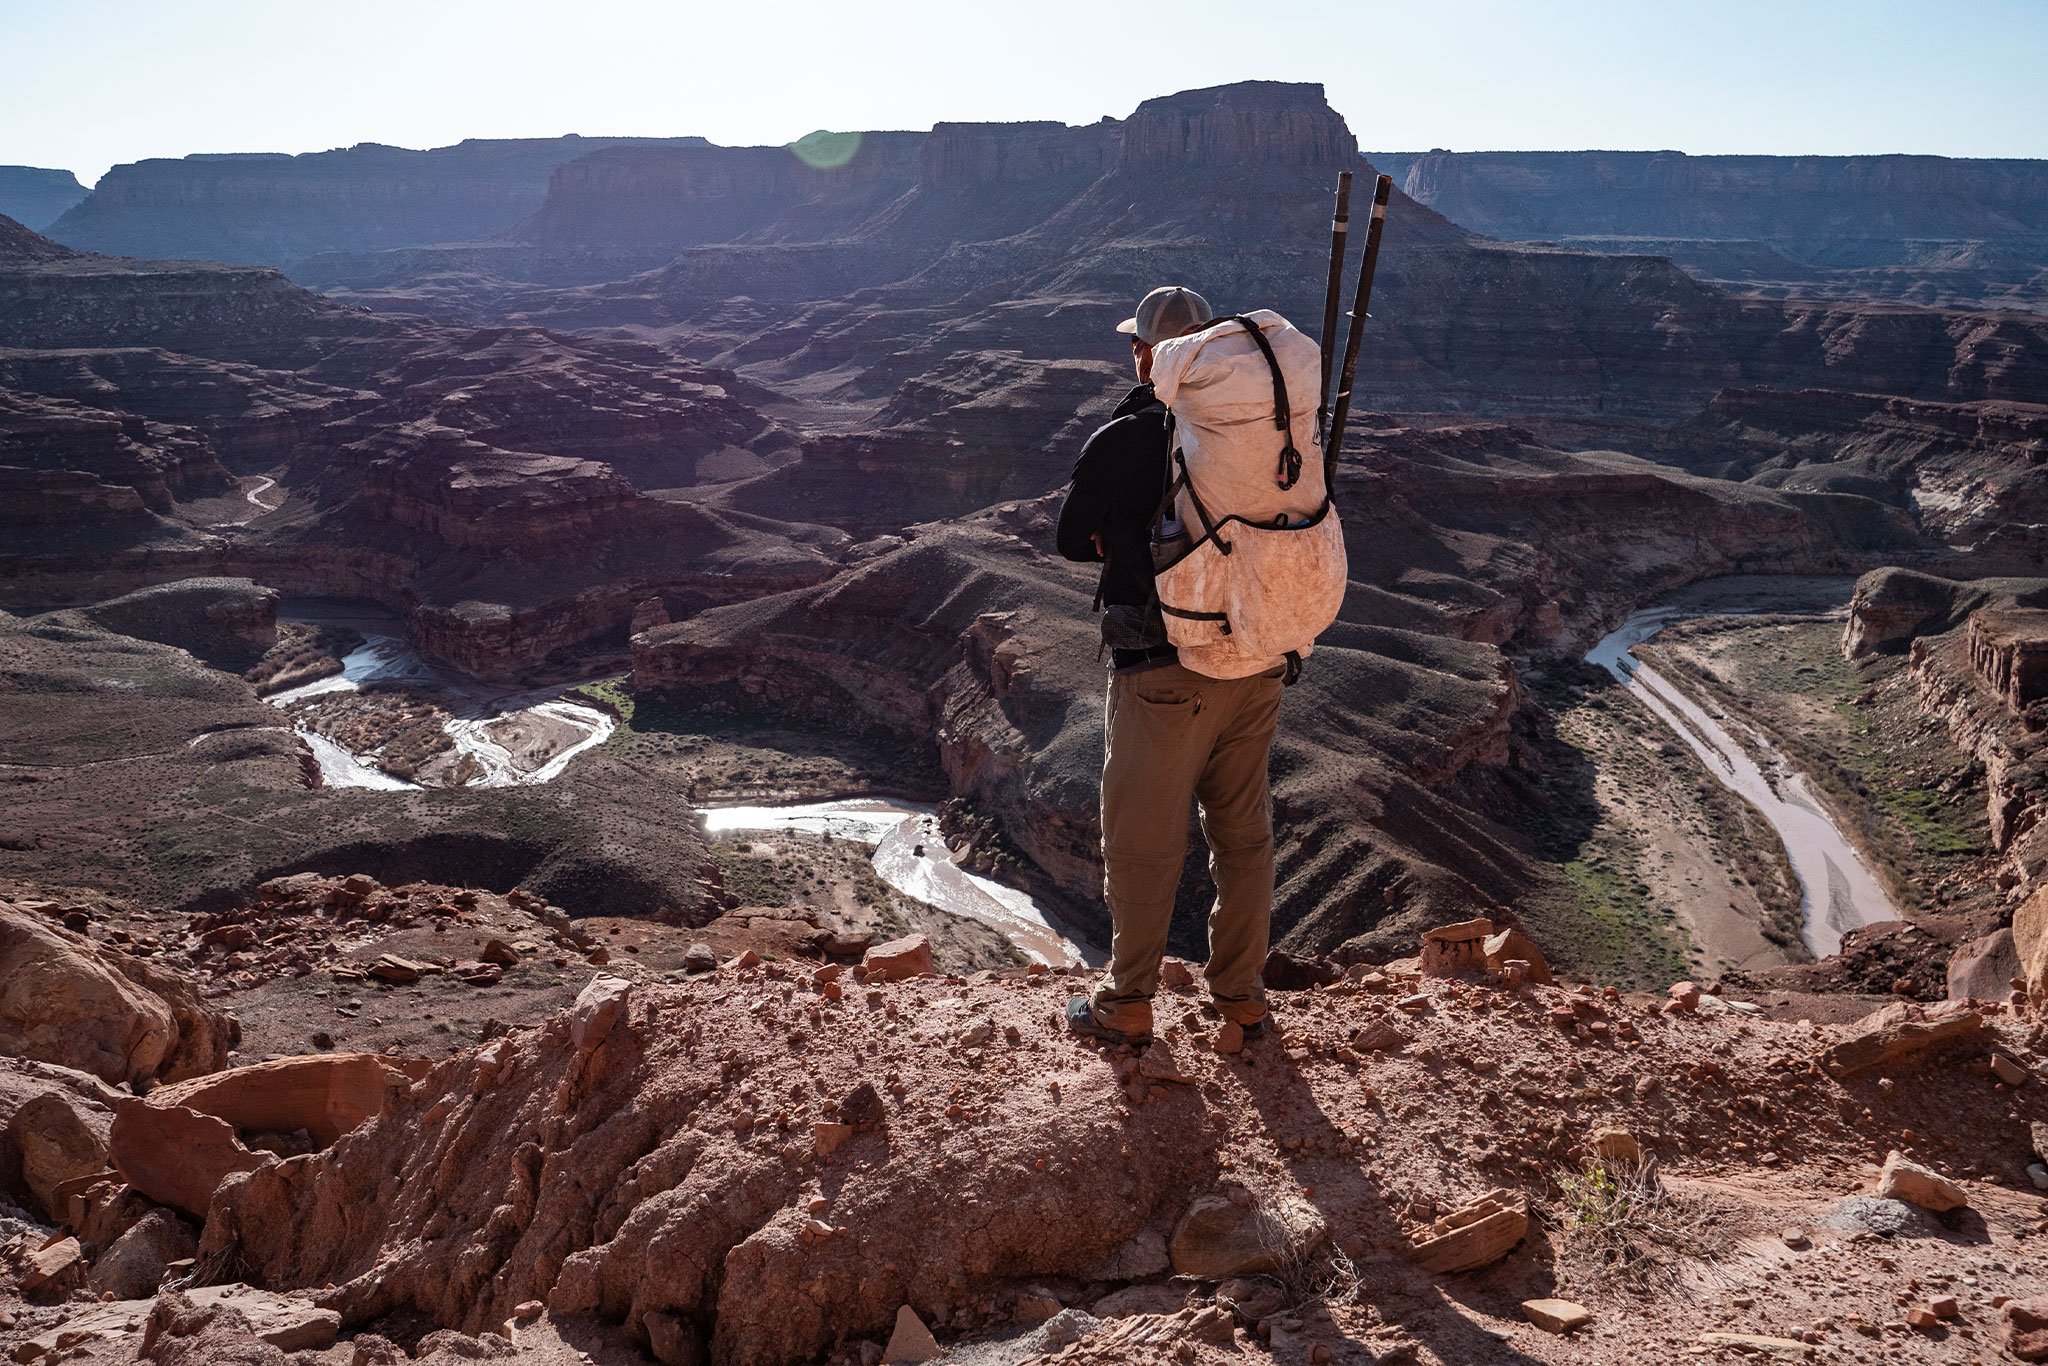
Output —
(1252, 123)
(36, 197)
(274, 209)
(1928, 229)
(1967, 472)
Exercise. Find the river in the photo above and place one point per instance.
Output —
(910, 854)
(513, 738)
(1838, 892)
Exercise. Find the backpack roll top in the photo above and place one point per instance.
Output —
(1248, 551)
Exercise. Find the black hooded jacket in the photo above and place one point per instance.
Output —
(1116, 489)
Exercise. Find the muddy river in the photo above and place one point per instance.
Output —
(1838, 891)
(533, 736)
(911, 856)
(506, 738)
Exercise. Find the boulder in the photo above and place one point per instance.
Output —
(326, 1095)
(178, 1157)
(911, 1341)
(910, 956)
(68, 1000)
(2023, 1330)
(1510, 945)
(1983, 969)
(2030, 943)
(1238, 1235)
(1615, 1144)
(1455, 950)
(1918, 1185)
(133, 1266)
(54, 1269)
(60, 1136)
(1900, 1033)
(1476, 1234)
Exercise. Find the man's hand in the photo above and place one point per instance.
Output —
(1097, 538)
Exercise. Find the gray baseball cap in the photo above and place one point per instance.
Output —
(1168, 311)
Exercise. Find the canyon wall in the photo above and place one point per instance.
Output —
(1924, 229)
(275, 209)
(35, 196)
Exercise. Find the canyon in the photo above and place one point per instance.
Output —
(444, 595)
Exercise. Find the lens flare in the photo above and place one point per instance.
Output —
(823, 151)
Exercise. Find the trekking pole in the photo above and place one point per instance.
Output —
(1358, 315)
(1340, 227)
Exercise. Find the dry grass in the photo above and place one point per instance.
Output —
(1616, 1222)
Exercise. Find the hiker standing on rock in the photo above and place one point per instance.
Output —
(1193, 702)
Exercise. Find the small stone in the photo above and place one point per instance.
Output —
(1794, 1237)
(826, 1137)
(699, 958)
(1945, 1307)
(1684, 995)
(2006, 1070)
(1921, 1318)
(389, 967)
(2037, 1172)
(499, 952)
(527, 1309)
(1556, 1316)
(1415, 1004)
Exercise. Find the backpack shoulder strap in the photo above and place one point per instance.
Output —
(1289, 471)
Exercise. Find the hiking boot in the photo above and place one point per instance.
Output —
(1081, 1019)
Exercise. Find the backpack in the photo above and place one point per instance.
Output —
(1248, 555)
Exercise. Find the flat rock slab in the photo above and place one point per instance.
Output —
(1556, 1316)
(1899, 1033)
(290, 1325)
(1757, 1342)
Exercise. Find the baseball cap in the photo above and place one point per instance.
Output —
(1168, 311)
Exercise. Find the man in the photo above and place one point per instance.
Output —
(1173, 735)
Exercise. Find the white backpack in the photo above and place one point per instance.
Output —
(1248, 556)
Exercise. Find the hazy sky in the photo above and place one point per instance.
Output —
(87, 83)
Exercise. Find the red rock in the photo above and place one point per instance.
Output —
(1684, 995)
(1478, 1233)
(68, 1000)
(1511, 945)
(911, 1341)
(499, 952)
(54, 1268)
(2024, 1330)
(1918, 1185)
(910, 956)
(1556, 1316)
(1899, 1033)
(178, 1157)
(325, 1095)
(389, 967)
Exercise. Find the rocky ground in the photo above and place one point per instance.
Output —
(756, 1151)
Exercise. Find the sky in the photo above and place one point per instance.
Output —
(85, 84)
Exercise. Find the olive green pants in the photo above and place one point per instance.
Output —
(1175, 737)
